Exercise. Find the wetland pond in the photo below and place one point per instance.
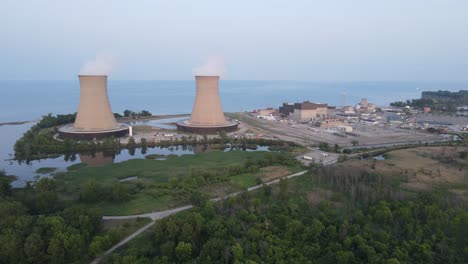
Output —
(34, 169)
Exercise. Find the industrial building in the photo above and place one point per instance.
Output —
(207, 113)
(267, 111)
(94, 119)
(331, 122)
(365, 106)
(286, 109)
(307, 111)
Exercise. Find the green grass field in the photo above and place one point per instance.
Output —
(160, 184)
(157, 171)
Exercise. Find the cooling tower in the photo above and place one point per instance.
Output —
(94, 118)
(94, 111)
(207, 108)
(207, 113)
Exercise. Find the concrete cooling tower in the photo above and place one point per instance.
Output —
(94, 118)
(207, 113)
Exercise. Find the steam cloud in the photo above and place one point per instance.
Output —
(214, 66)
(101, 65)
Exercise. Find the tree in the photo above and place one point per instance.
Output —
(324, 146)
(223, 135)
(91, 192)
(34, 248)
(127, 113)
(237, 253)
(131, 145)
(46, 196)
(143, 144)
(198, 199)
(283, 185)
(99, 244)
(5, 187)
(392, 261)
(336, 148)
(345, 257)
(56, 249)
(145, 113)
(119, 192)
(183, 251)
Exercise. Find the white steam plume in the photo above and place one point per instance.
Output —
(101, 65)
(213, 66)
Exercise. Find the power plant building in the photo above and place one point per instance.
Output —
(94, 118)
(307, 111)
(286, 109)
(207, 113)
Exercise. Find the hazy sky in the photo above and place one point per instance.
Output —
(260, 40)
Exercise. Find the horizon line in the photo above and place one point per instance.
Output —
(255, 80)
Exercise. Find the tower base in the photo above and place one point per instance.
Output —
(185, 126)
(69, 131)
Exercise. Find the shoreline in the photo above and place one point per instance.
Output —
(122, 119)
(14, 123)
(153, 117)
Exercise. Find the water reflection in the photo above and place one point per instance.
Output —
(97, 159)
(26, 170)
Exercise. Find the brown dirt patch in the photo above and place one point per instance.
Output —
(419, 165)
(219, 189)
(273, 172)
(463, 194)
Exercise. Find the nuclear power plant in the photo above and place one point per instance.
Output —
(94, 118)
(207, 113)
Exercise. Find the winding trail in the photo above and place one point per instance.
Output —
(163, 214)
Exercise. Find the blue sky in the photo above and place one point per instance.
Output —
(259, 40)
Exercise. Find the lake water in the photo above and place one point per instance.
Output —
(29, 100)
(166, 123)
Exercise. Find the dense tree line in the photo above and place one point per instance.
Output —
(272, 228)
(36, 228)
(416, 103)
(130, 113)
(459, 98)
(450, 106)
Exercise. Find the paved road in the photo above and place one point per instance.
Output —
(154, 215)
(121, 243)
